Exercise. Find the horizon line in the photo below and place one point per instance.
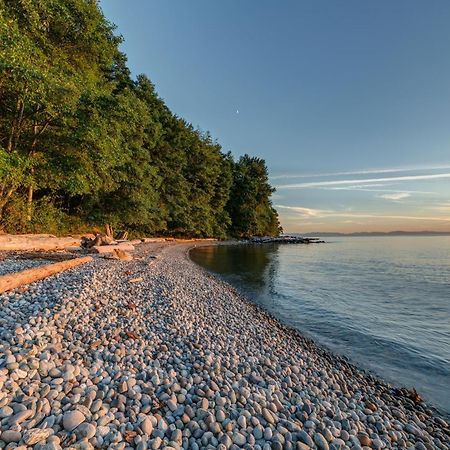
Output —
(370, 232)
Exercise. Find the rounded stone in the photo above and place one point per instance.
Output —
(72, 419)
(320, 441)
(146, 426)
(6, 411)
(85, 431)
(220, 415)
(11, 436)
(239, 439)
(305, 438)
(364, 440)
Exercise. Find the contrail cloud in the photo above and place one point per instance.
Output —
(311, 213)
(366, 180)
(360, 172)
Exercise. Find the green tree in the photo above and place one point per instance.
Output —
(249, 206)
(51, 54)
(83, 144)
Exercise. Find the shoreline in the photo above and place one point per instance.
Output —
(182, 360)
(315, 345)
(405, 390)
(319, 347)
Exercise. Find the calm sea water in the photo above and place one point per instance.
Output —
(384, 302)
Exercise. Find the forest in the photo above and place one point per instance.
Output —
(84, 144)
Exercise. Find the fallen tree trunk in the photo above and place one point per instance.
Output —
(14, 280)
(35, 242)
(125, 246)
(149, 240)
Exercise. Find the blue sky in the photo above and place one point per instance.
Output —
(347, 101)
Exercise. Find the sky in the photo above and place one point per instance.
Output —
(347, 101)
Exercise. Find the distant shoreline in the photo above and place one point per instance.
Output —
(375, 233)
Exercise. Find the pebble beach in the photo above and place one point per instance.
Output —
(155, 353)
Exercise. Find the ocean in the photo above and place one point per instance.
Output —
(383, 302)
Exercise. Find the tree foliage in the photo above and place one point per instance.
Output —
(82, 144)
(249, 203)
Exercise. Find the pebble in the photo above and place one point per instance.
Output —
(180, 361)
(301, 446)
(268, 416)
(320, 441)
(85, 431)
(72, 419)
(6, 411)
(20, 417)
(146, 426)
(364, 440)
(11, 436)
(239, 439)
(36, 435)
(305, 438)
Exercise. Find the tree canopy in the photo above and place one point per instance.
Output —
(83, 144)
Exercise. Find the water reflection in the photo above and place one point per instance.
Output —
(252, 267)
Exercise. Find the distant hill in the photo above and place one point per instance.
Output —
(377, 233)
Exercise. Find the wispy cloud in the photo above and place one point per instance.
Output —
(353, 222)
(307, 212)
(362, 172)
(370, 188)
(356, 187)
(364, 181)
(442, 208)
(396, 196)
(321, 213)
(294, 221)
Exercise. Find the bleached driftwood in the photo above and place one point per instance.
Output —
(150, 240)
(121, 255)
(125, 246)
(17, 279)
(98, 239)
(35, 242)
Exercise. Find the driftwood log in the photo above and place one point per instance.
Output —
(109, 231)
(99, 239)
(35, 242)
(122, 236)
(120, 254)
(15, 280)
(125, 246)
(149, 240)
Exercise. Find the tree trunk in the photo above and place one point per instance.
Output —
(30, 203)
(30, 187)
(12, 132)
